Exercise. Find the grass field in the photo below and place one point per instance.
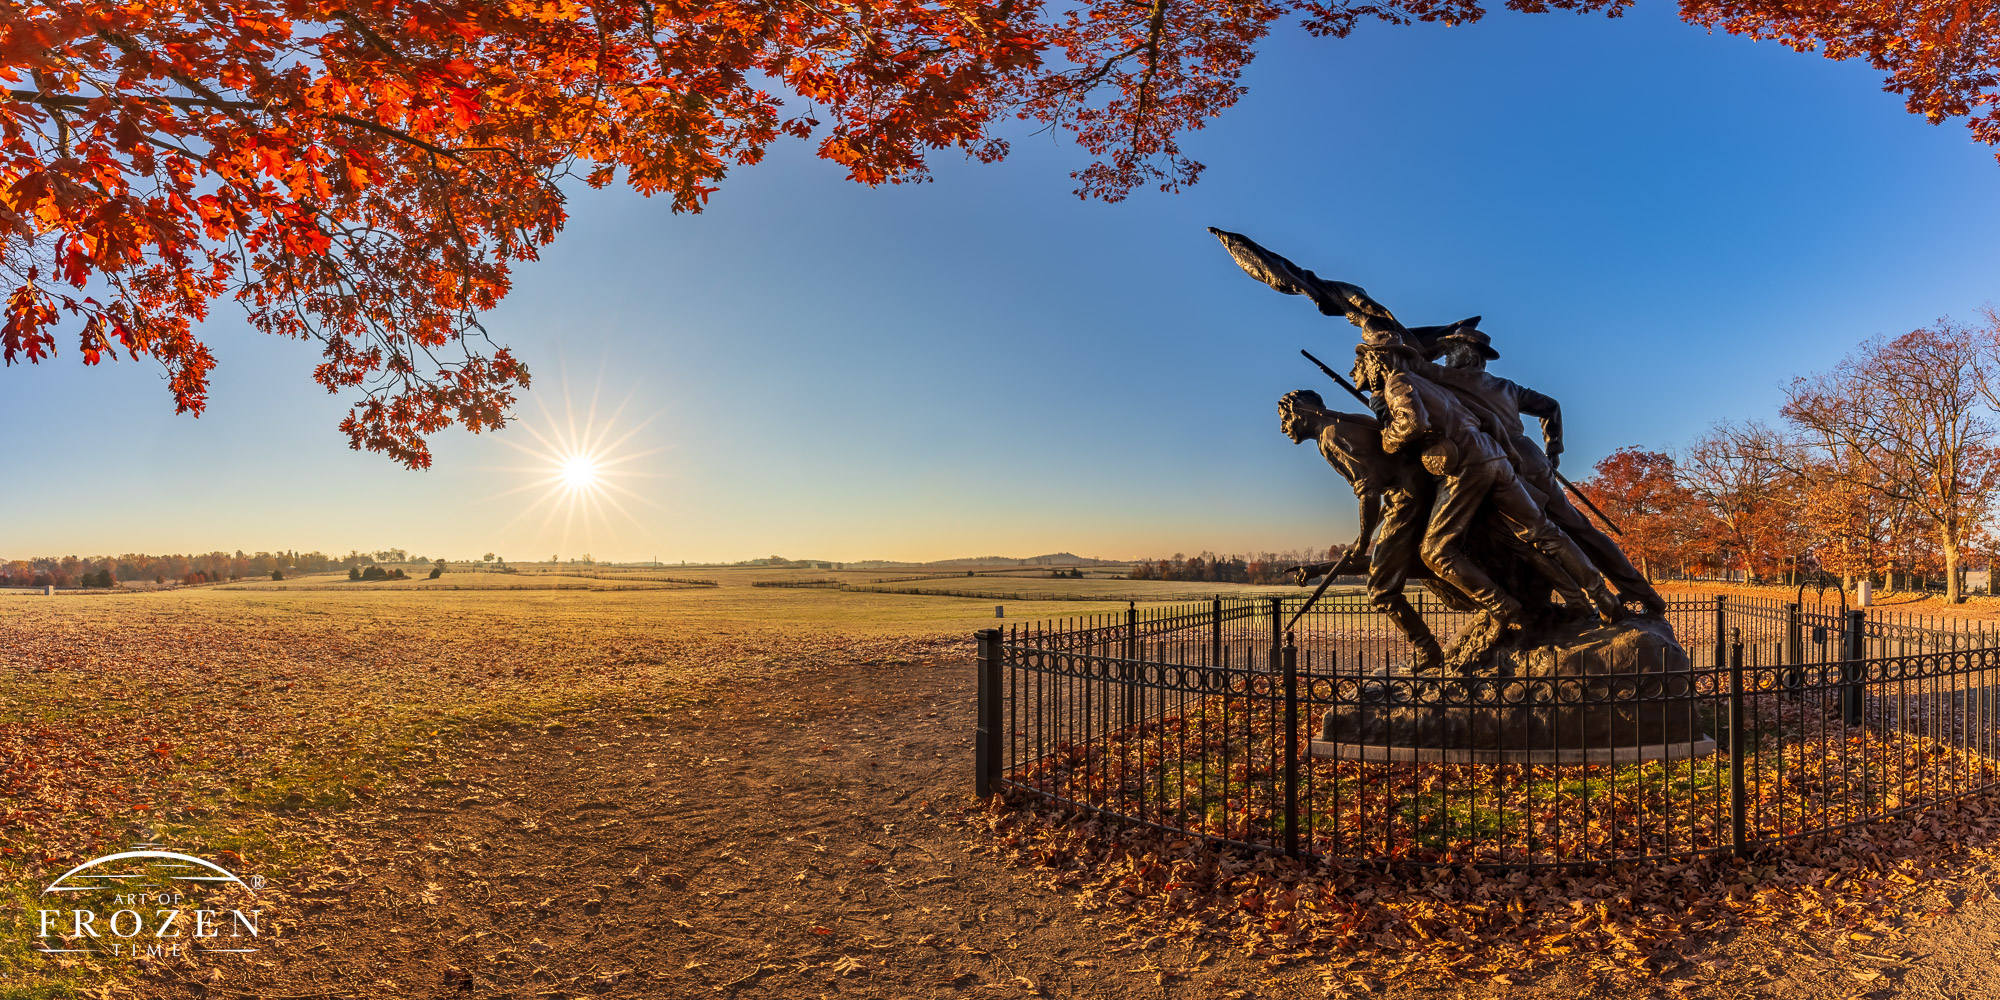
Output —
(1035, 586)
(1096, 590)
(310, 676)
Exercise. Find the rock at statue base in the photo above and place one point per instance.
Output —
(1583, 693)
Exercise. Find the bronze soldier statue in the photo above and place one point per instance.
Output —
(1492, 502)
(1466, 351)
(1394, 494)
(1471, 468)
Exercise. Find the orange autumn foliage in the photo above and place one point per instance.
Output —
(1910, 420)
(1641, 492)
(366, 174)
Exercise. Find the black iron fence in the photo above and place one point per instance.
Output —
(1784, 722)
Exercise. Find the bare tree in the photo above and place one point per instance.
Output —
(1735, 476)
(1911, 417)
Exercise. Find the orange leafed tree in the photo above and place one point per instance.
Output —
(1745, 498)
(1852, 519)
(1641, 493)
(1912, 418)
(366, 173)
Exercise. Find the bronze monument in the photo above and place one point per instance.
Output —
(1454, 492)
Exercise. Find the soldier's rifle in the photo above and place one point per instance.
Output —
(1325, 582)
(1571, 487)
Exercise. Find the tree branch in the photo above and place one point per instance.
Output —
(56, 101)
(82, 101)
(1154, 31)
(397, 134)
(132, 48)
(361, 28)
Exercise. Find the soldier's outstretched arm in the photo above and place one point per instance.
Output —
(1371, 518)
(1546, 409)
(1354, 558)
(1406, 420)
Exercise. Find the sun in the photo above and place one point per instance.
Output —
(584, 468)
(580, 473)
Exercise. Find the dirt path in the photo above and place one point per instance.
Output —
(799, 844)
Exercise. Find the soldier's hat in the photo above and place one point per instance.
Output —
(1394, 348)
(1467, 331)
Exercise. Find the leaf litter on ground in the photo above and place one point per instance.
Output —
(1634, 922)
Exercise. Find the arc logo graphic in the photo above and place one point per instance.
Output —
(148, 902)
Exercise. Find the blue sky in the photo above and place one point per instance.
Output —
(1660, 228)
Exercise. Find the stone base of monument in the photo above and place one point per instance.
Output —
(1581, 693)
(1574, 755)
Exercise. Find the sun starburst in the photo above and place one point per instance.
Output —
(582, 467)
(579, 472)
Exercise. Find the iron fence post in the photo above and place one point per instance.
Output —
(1277, 630)
(986, 753)
(1794, 650)
(1215, 635)
(1291, 666)
(1721, 629)
(1128, 672)
(1850, 668)
(1737, 841)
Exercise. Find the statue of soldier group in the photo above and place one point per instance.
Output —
(1452, 490)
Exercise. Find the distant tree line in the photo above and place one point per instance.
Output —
(1262, 567)
(212, 567)
(1886, 466)
(780, 562)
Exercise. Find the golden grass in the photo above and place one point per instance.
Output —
(1097, 590)
(331, 667)
(457, 581)
(1978, 607)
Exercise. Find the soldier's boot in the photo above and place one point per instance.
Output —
(1596, 594)
(1545, 558)
(1586, 577)
(1610, 610)
(1506, 610)
(1429, 655)
(1648, 598)
(1574, 600)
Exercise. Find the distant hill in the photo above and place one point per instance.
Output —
(1052, 559)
